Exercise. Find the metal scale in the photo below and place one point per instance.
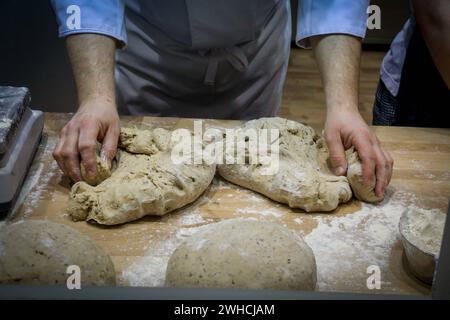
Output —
(20, 133)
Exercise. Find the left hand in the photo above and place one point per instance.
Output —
(347, 128)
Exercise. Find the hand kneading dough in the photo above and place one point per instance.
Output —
(39, 252)
(146, 182)
(303, 180)
(103, 172)
(355, 178)
(243, 254)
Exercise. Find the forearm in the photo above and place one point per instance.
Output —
(92, 59)
(338, 59)
(433, 20)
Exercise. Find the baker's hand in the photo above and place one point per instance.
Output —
(345, 129)
(96, 121)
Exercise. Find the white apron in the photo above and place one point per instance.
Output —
(224, 59)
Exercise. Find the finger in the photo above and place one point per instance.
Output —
(389, 166)
(87, 145)
(367, 156)
(109, 146)
(337, 154)
(57, 152)
(381, 171)
(69, 154)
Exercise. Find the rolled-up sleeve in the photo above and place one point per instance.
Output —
(320, 17)
(88, 16)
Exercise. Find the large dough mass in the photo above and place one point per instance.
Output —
(304, 179)
(243, 254)
(146, 181)
(39, 252)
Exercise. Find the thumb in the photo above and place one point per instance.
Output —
(109, 144)
(337, 154)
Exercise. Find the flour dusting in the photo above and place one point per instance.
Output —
(273, 212)
(340, 243)
(425, 228)
(37, 180)
(150, 270)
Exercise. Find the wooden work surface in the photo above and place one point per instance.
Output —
(346, 242)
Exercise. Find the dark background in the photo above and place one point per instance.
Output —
(32, 55)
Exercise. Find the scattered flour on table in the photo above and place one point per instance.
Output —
(35, 185)
(263, 212)
(336, 245)
(150, 270)
(338, 248)
(191, 218)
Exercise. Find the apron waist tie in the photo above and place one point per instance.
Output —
(234, 55)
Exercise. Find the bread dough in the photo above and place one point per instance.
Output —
(355, 178)
(147, 142)
(303, 179)
(243, 254)
(39, 252)
(146, 182)
(425, 228)
(103, 172)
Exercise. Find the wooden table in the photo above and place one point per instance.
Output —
(346, 242)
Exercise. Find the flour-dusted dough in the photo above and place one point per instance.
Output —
(243, 254)
(39, 252)
(303, 180)
(146, 182)
(103, 172)
(355, 178)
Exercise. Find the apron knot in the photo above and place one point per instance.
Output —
(234, 55)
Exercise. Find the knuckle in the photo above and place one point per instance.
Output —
(382, 163)
(85, 120)
(363, 132)
(63, 131)
(390, 162)
(366, 158)
(70, 126)
(337, 156)
(89, 163)
(56, 155)
(86, 146)
(66, 153)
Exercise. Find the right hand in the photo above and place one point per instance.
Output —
(95, 121)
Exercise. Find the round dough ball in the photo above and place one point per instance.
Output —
(39, 252)
(243, 254)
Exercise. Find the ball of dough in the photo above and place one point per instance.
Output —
(39, 252)
(243, 254)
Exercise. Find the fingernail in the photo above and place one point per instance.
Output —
(339, 170)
